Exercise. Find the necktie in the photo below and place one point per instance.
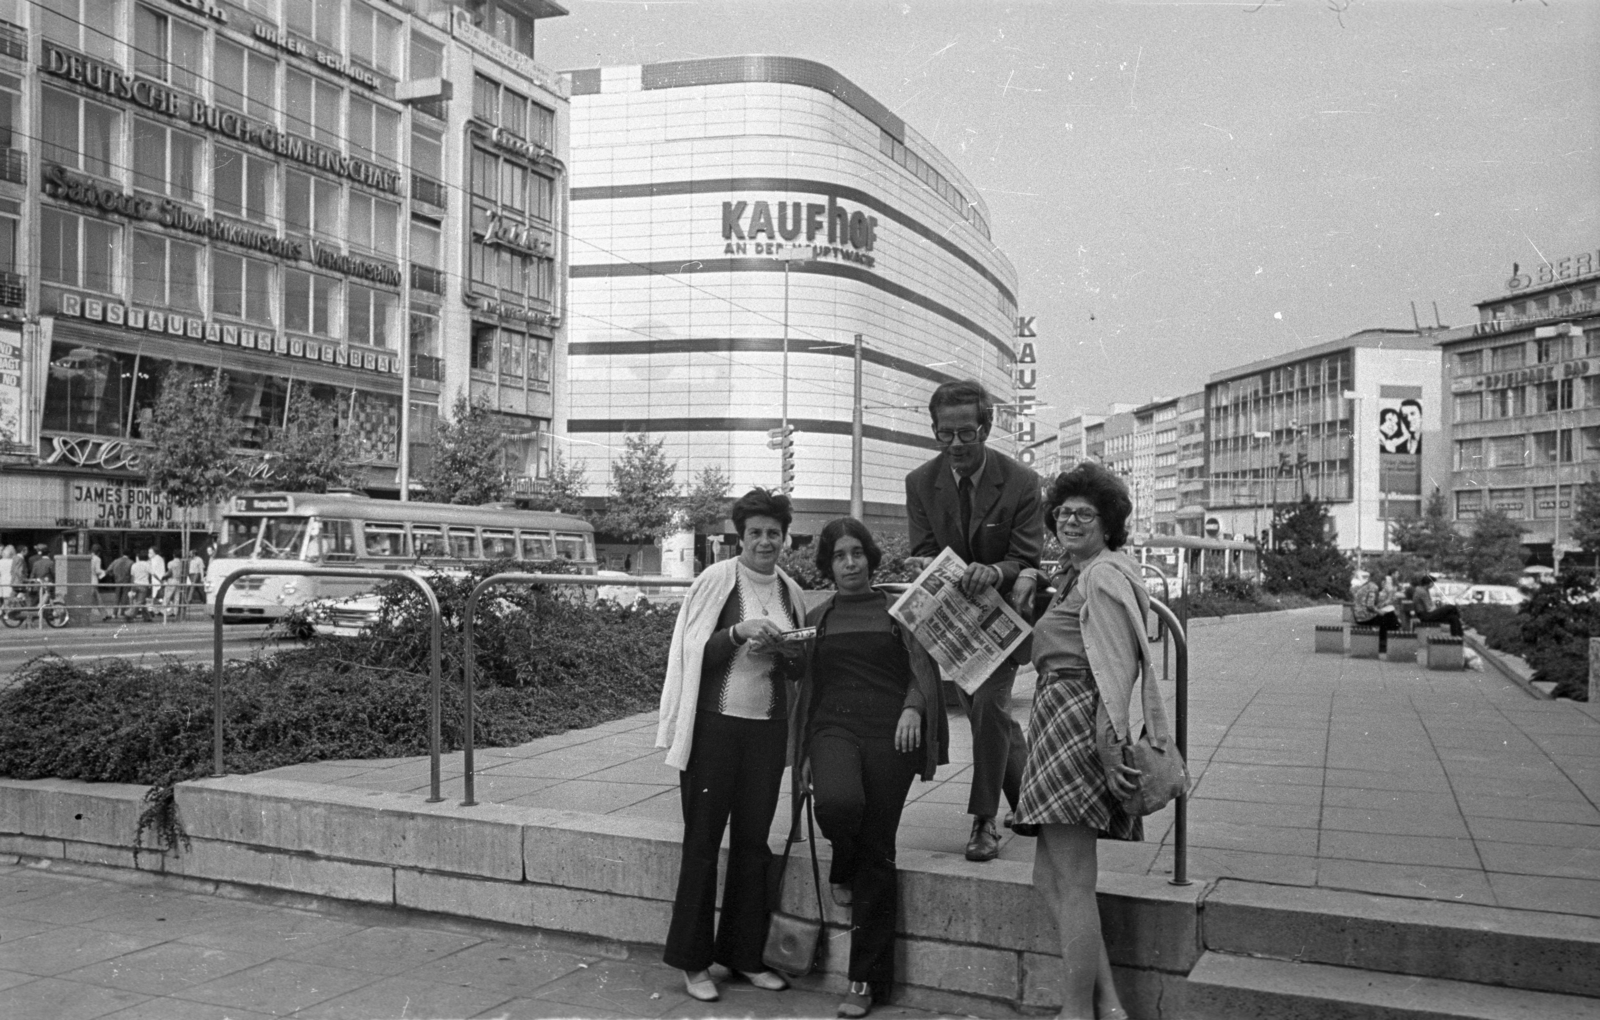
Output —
(964, 493)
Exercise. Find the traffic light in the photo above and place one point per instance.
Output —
(782, 440)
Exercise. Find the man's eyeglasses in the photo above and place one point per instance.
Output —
(948, 436)
(1077, 515)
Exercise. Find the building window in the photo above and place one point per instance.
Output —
(79, 252)
(483, 347)
(81, 24)
(1469, 454)
(10, 228)
(1504, 403)
(246, 81)
(80, 134)
(1555, 349)
(166, 273)
(1545, 447)
(1512, 501)
(1507, 451)
(375, 39)
(542, 197)
(89, 391)
(503, 21)
(427, 151)
(539, 358)
(242, 287)
(316, 19)
(311, 204)
(312, 107)
(427, 58)
(374, 131)
(167, 49)
(1508, 357)
(485, 99)
(424, 341)
(243, 185)
(512, 346)
(166, 160)
(310, 303)
(374, 224)
(1554, 396)
(374, 317)
(1469, 363)
(1469, 504)
(1591, 391)
(1468, 406)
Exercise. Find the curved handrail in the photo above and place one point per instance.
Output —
(469, 651)
(358, 572)
(1180, 809)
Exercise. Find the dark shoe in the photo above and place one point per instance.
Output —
(984, 844)
(858, 1002)
(1022, 829)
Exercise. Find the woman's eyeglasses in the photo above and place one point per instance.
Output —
(948, 436)
(1077, 515)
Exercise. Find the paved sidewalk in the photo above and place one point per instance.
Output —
(1311, 770)
(74, 947)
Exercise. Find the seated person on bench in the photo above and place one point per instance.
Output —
(1429, 609)
(1374, 607)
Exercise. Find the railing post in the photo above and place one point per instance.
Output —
(1180, 809)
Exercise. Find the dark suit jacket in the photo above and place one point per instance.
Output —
(1007, 518)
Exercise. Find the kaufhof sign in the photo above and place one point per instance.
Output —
(832, 229)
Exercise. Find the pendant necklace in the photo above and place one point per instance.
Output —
(766, 610)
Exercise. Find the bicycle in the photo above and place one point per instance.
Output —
(20, 607)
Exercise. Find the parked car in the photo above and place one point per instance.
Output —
(1450, 593)
(1493, 595)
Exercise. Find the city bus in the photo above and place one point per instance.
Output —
(347, 529)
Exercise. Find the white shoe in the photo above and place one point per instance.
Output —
(700, 986)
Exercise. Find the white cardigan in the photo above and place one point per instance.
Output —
(680, 693)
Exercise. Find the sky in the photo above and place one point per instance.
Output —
(1188, 186)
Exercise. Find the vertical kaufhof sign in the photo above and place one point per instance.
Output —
(1027, 381)
(833, 230)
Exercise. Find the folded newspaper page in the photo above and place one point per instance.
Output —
(968, 638)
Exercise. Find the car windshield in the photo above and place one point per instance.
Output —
(282, 538)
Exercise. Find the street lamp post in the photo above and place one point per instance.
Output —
(1261, 490)
(786, 256)
(858, 503)
(1355, 462)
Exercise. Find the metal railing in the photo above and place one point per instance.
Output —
(1178, 640)
(469, 651)
(356, 572)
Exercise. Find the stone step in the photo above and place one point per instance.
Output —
(1438, 939)
(1227, 987)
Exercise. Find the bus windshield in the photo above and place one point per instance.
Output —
(239, 537)
(282, 538)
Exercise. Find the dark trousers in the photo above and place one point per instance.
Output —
(1444, 614)
(732, 782)
(860, 785)
(1385, 622)
(999, 750)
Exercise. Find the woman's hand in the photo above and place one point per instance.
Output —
(761, 634)
(908, 731)
(1123, 779)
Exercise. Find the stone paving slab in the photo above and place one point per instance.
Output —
(1315, 770)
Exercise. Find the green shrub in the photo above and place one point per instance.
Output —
(1550, 632)
(1499, 626)
(547, 662)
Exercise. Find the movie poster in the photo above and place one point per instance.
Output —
(1400, 448)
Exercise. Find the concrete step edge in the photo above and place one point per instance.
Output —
(1228, 987)
(1484, 945)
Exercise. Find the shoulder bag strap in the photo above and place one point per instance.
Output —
(1155, 715)
(816, 872)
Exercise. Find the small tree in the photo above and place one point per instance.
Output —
(566, 484)
(706, 505)
(310, 452)
(1305, 558)
(193, 438)
(1494, 549)
(644, 491)
(1431, 537)
(468, 455)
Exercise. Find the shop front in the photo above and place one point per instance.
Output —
(66, 509)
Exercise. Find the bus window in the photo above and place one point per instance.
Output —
(464, 544)
(428, 542)
(499, 545)
(538, 545)
(337, 541)
(239, 537)
(282, 538)
(571, 547)
(385, 539)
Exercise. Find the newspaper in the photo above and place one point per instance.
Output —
(968, 638)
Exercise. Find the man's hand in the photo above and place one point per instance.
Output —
(918, 563)
(978, 577)
(1022, 595)
(908, 731)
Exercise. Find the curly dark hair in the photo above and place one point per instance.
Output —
(762, 503)
(838, 528)
(1107, 493)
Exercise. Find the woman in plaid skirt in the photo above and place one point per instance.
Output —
(1086, 647)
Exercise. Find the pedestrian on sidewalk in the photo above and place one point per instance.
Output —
(725, 710)
(139, 575)
(121, 571)
(1374, 607)
(8, 556)
(983, 506)
(1087, 648)
(1429, 609)
(97, 575)
(871, 718)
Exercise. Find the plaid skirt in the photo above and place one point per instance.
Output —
(1063, 782)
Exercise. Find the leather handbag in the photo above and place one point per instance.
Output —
(1163, 776)
(793, 942)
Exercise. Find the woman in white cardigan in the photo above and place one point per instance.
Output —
(725, 710)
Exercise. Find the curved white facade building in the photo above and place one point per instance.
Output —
(687, 178)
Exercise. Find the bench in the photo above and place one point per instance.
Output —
(1363, 642)
(1402, 646)
(1446, 653)
(1330, 638)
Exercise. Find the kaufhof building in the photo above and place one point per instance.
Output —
(359, 201)
(721, 205)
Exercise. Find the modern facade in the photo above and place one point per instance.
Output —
(1524, 386)
(1352, 423)
(1190, 518)
(1072, 443)
(362, 201)
(736, 223)
(1156, 429)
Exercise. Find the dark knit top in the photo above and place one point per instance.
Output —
(863, 675)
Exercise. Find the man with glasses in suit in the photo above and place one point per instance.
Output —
(985, 507)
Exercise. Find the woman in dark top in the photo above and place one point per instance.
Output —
(871, 720)
(725, 718)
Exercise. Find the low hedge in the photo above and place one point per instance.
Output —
(1550, 632)
(547, 663)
